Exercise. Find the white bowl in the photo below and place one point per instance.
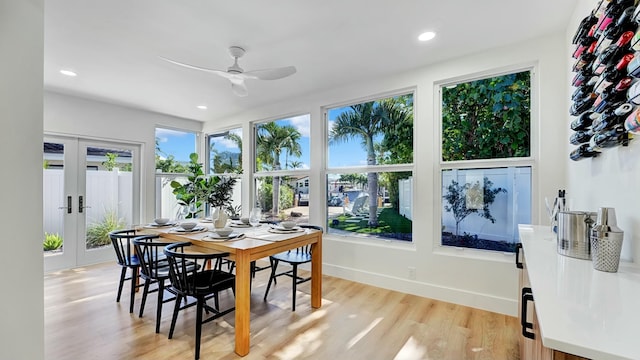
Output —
(161, 221)
(188, 225)
(244, 220)
(288, 224)
(223, 231)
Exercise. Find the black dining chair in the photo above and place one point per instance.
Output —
(197, 274)
(294, 257)
(127, 259)
(154, 268)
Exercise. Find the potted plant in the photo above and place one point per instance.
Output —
(200, 189)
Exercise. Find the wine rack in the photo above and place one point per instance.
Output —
(606, 97)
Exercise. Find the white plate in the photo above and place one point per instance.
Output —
(206, 220)
(281, 228)
(154, 225)
(291, 231)
(216, 237)
(195, 229)
(239, 225)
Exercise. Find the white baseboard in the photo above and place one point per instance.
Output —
(486, 302)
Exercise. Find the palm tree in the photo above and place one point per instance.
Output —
(237, 140)
(365, 121)
(272, 139)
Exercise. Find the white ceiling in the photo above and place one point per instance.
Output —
(114, 45)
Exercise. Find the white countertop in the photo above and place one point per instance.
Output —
(582, 311)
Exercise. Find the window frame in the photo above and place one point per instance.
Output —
(378, 168)
(255, 174)
(441, 165)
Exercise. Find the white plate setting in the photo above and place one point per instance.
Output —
(154, 225)
(194, 230)
(216, 237)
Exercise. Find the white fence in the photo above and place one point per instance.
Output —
(509, 209)
(106, 191)
(405, 197)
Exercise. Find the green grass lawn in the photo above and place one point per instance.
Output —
(389, 222)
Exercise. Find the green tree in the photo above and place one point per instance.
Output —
(487, 118)
(272, 140)
(466, 199)
(365, 121)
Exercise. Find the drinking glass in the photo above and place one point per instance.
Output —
(255, 216)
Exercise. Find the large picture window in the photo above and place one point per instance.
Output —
(173, 148)
(281, 168)
(486, 163)
(225, 159)
(370, 168)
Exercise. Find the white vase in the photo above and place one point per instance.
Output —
(221, 220)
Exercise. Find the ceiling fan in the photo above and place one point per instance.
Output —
(237, 75)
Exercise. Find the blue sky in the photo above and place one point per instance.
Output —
(181, 144)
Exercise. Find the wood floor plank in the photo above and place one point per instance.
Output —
(356, 321)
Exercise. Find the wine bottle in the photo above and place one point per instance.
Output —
(583, 104)
(583, 121)
(609, 138)
(623, 23)
(611, 118)
(586, 59)
(633, 93)
(584, 89)
(611, 94)
(586, 42)
(632, 123)
(585, 25)
(580, 137)
(612, 53)
(583, 152)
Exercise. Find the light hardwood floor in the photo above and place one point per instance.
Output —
(356, 321)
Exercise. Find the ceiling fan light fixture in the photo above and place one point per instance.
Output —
(426, 36)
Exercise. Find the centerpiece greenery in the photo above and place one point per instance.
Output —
(200, 189)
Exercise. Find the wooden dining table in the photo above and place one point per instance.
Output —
(254, 243)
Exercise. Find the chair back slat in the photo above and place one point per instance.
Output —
(121, 240)
(150, 254)
(190, 273)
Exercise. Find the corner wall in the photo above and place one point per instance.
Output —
(22, 300)
(465, 277)
(613, 178)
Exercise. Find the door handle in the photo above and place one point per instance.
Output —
(527, 295)
(81, 206)
(518, 262)
(68, 207)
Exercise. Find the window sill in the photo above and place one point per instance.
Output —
(374, 242)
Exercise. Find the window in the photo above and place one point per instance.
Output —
(173, 148)
(369, 175)
(486, 165)
(281, 168)
(225, 158)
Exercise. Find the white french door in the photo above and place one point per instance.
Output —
(89, 189)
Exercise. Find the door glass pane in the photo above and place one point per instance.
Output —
(108, 197)
(54, 202)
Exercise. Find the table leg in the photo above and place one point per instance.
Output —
(316, 273)
(243, 302)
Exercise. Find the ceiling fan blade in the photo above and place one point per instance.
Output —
(270, 74)
(239, 89)
(218, 72)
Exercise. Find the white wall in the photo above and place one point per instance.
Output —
(612, 179)
(74, 116)
(466, 277)
(22, 300)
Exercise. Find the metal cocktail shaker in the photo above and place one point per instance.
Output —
(606, 241)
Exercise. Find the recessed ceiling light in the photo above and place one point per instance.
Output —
(202, 107)
(68, 73)
(426, 36)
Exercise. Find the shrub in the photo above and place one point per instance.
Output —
(98, 233)
(51, 242)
